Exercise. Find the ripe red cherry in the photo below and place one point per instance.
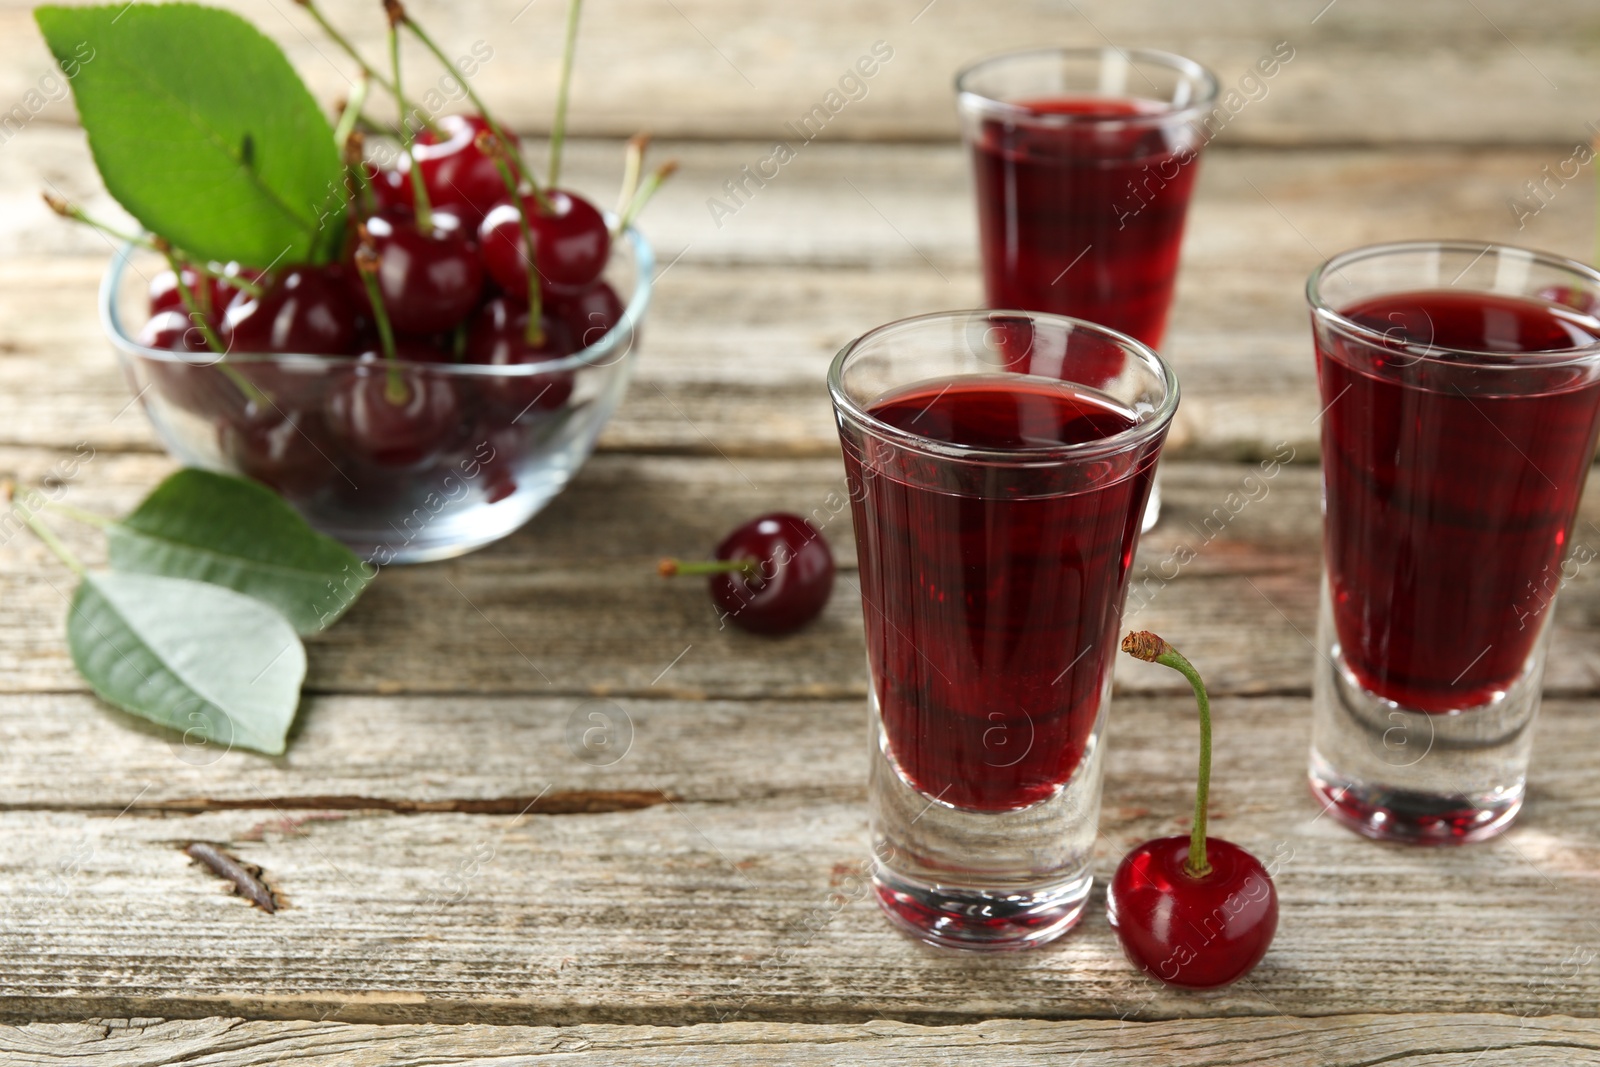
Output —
(194, 386)
(456, 174)
(285, 385)
(307, 310)
(495, 453)
(499, 338)
(288, 451)
(1188, 931)
(591, 314)
(1193, 911)
(172, 331)
(393, 415)
(165, 295)
(226, 289)
(392, 190)
(570, 244)
(430, 281)
(771, 575)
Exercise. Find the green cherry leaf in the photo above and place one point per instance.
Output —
(215, 528)
(198, 658)
(202, 129)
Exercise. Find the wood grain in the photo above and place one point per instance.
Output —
(450, 853)
(1417, 1040)
(1363, 71)
(742, 898)
(572, 603)
(744, 324)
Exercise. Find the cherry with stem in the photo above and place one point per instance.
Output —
(472, 94)
(419, 190)
(431, 275)
(1147, 646)
(570, 241)
(770, 576)
(402, 418)
(202, 321)
(1195, 911)
(499, 337)
(367, 267)
(491, 146)
(195, 307)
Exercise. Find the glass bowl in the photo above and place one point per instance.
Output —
(520, 432)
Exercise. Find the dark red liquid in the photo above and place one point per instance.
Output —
(992, 608)
(1084, 219)
(1450, 490)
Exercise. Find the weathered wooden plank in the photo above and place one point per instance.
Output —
(745, 323)
(475, 755)
(699, 911)
(572, 603)
(1422, 1039)
(1489, 73)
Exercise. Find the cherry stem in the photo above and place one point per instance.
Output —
(558, 131)
(646, 191)
(546, 208)
(1143, 644)
(672, 568)
(192, 307)
(366, 68)
(29, 516)
(79, 514)
(196, 309)
(419, 189)
(472, 94)
(533, 334)
(348, 143)
(355, 170)
(367, 266)
(351, 114)
(76, 214)
(632, 167)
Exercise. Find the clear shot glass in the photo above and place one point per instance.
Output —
(999, 463)
(1083, 161)
(1460, 386)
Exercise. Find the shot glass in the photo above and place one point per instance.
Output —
(1460, 385)
(998, 465)
(1083, 160)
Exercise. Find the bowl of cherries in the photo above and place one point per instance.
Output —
(439, 371)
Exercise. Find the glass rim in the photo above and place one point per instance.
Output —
(602, 353)
(1336, 319)
(988, 105)
(1043, 455)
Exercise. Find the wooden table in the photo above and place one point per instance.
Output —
(459, 887)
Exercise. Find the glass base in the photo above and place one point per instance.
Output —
(1430, 778)
(975, 919)
(961, 878)
(1408, 816)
